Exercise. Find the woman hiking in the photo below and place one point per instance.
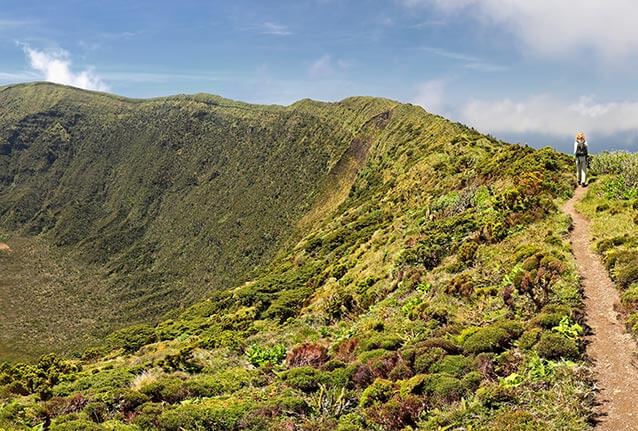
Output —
(581, 153)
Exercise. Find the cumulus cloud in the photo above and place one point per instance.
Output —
(431, 95)
(549, 115)
(55, 66)
(555, 28)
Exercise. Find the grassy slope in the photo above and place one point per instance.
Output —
(419, 303)
(612, 206)
(157, 201)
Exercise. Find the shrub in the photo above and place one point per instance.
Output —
(467, 252)
(312, 354)
(398, 413)
(379, 391)
(488, 339)
(132, 337)
(260, 356)
(287, 303)
(626, 268)
(454, 365)
(167, 389)
(547, 320)
(148, 415)
(538, 275)
(97, 411)
(382, 341)
(472, 380)
(400, 372)
(305, 379)
(461, 285)
(425, 254)
(630, 296)
(426, 357)
(555, 346)
(529, 338)
(346, 349)
(512, 327)
(493, 395)
(74, 424)
(58, 406)
(220, 417)
(382, 366)
(443, 387)
(608, 243)
(130, 400)
(184, 360)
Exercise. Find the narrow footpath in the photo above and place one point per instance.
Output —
(612, 349)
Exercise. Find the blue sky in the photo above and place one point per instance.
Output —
(524, 71)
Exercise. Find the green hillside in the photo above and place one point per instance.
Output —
(154, 204)
(403, 272)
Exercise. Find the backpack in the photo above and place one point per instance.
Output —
(581, 150)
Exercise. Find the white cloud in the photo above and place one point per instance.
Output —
(546, 114)
(556, 28)
(275, 29)
(431, 95)
(55, 66)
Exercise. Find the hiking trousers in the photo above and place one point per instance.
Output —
(581, 169)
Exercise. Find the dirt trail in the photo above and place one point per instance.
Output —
(612, 349)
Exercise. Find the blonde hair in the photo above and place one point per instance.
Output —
(580, 136)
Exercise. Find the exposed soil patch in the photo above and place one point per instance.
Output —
(612, 349)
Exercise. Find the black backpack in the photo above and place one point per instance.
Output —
(581, 150)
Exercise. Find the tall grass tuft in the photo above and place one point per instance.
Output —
(617, 163)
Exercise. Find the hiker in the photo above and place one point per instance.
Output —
(581, 153)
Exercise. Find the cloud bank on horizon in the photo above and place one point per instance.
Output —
(599, 34)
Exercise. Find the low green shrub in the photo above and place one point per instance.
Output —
(72, 423)
(494, 395)
(132, 337)
(630, 296)
(454, 365)
(487, 339)
(443, 387)
(625, 268)
(261, 356)
(553, 345)
(306, 379)
(379, 391)
(214, 416)
(167, 389)
(399, 413)
(382, 341)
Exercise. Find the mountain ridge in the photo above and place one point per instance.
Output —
(142, 152)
